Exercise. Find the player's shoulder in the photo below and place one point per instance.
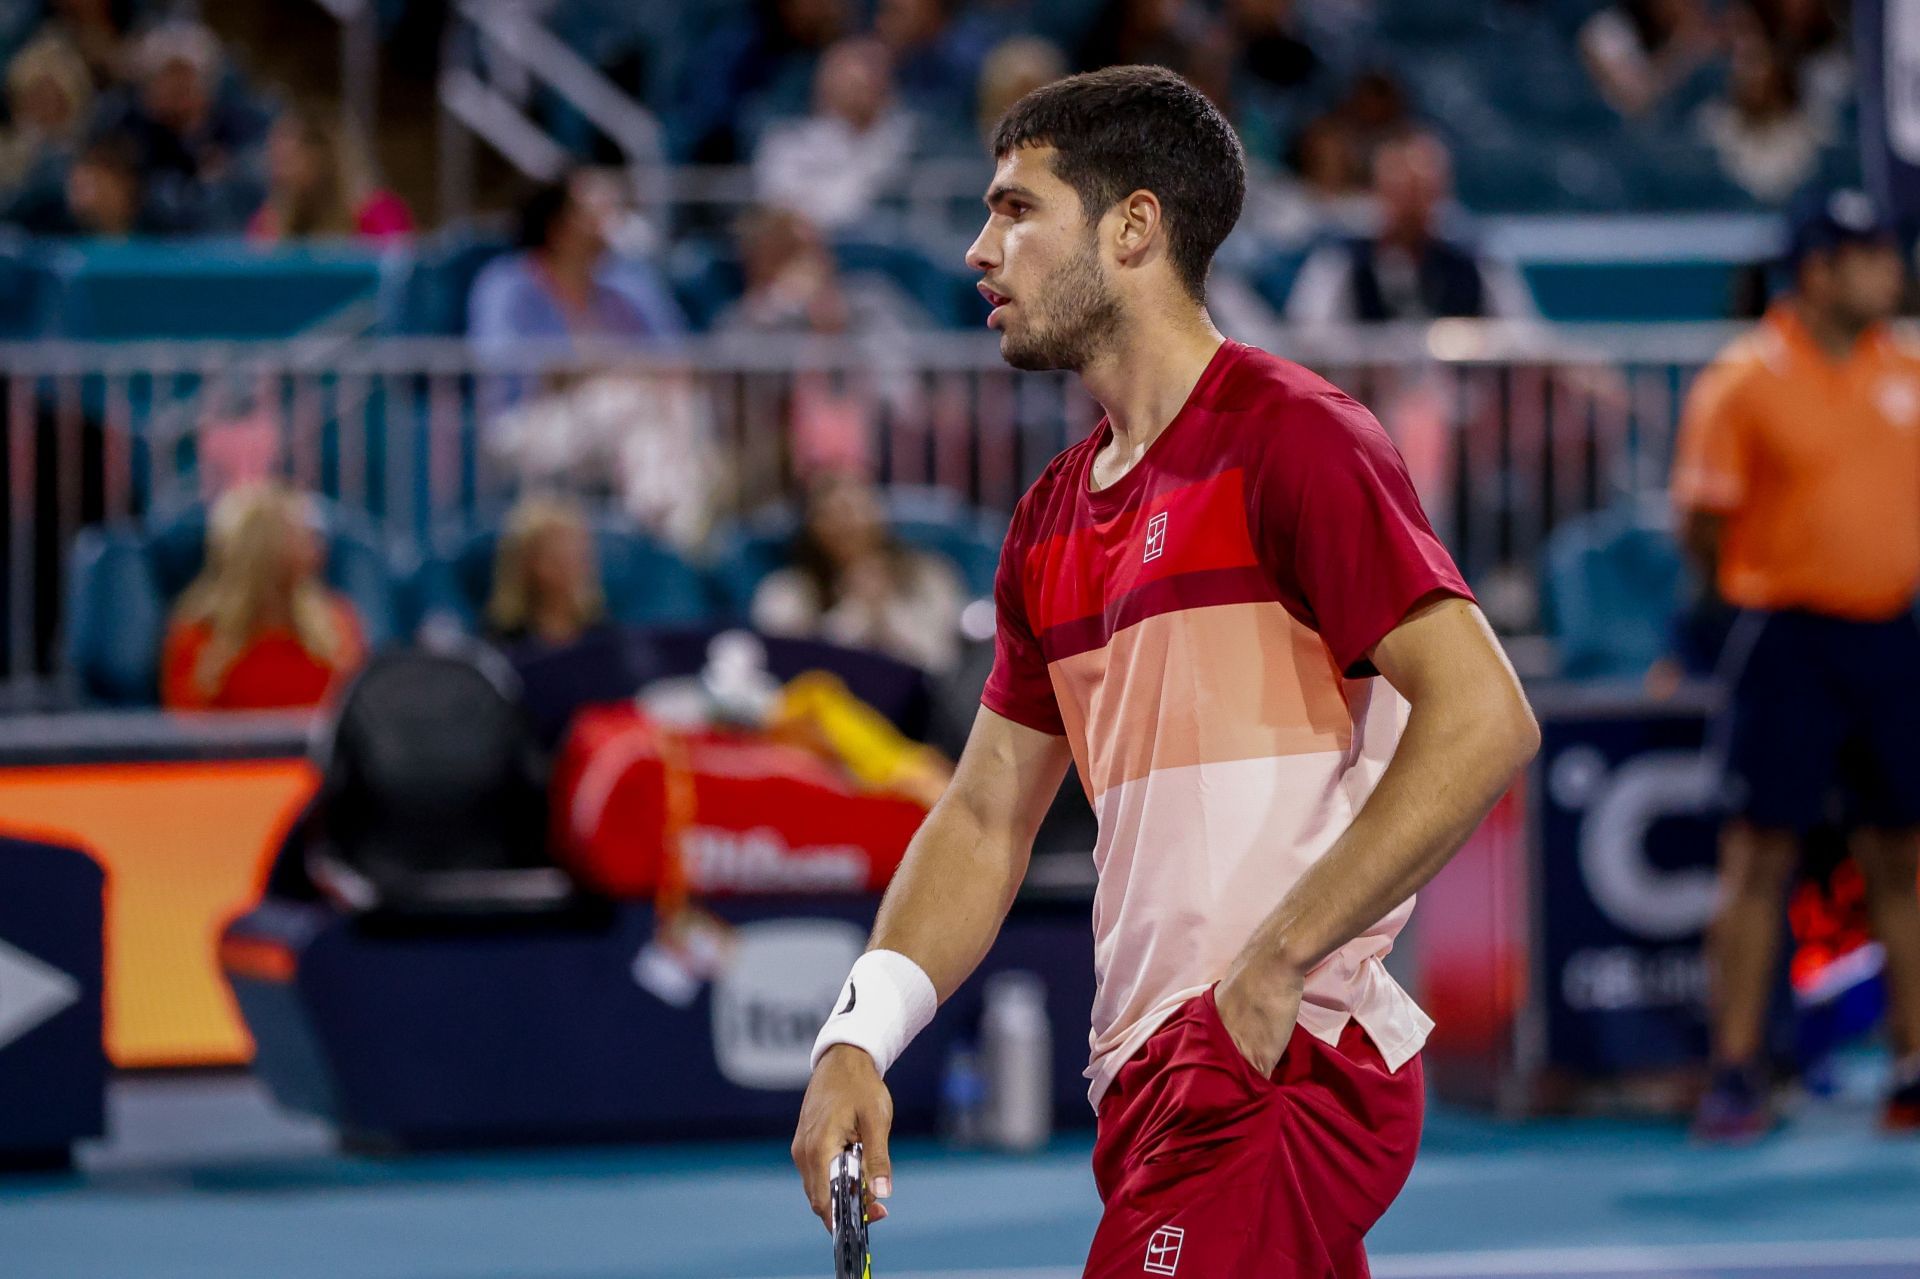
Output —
(1903, 345)
(1050, 497)
(1762, 351)
(1288, 407)
(1739, 375)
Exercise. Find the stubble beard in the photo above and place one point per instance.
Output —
(1077, 321)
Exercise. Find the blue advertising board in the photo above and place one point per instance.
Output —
(1627, 811)
(53, 1067)
(1625, 886)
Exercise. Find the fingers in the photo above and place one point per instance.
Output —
(814, 1159)
(828, 1125)
(875, 1125)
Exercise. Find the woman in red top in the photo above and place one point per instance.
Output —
(319, 184)
(259, 630)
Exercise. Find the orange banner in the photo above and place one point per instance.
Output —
(185, 847)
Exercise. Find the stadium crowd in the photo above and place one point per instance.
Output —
(122, 124)
(122, 120)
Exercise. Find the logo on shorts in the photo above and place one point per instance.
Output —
(1156, 537)
(1163, 1250)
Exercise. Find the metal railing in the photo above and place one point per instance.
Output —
(494, 55)
(1508, 430)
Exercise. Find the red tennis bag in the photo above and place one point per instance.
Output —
(759, 815)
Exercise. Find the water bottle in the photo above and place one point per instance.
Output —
(963, 1095)
(1017, 1045)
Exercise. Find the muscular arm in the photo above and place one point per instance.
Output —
(1470, 731)
(953, 889)
(943, 910)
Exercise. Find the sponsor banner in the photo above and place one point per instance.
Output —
(778, 989)
(1627, 810)
(53, 1069)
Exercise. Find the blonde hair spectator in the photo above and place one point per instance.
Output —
(320, 182)
(48, 96)
(546, 585)
(264, 558)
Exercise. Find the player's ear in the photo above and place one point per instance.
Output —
(1139, 223)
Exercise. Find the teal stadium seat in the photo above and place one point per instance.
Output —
(115, 619)
(356, 565)
(1612, 583)
(645, 583)
(218, 289)
(927, 519)
(26, 289)
(424, 294)
(121, 583)
(705, 277)
(1426, 20)
(1684, 289)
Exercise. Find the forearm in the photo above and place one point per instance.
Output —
(1451, 767)
(952, 891)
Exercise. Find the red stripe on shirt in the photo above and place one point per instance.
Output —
(1083, 574)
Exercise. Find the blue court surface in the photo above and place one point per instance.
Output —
(263, 1198)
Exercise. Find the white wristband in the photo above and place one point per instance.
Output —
(888, 999)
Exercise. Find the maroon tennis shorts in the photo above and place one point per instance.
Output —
(1209, 1171)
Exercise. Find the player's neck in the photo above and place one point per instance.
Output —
(1145, 380)
(1835, 337)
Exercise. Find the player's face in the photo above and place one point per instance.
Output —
(1868, 280)
(1040, 264)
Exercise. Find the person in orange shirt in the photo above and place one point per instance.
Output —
(258, 629)
(1798, 481)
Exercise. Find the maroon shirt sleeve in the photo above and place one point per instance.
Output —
(1018, 687)
(1342, 529)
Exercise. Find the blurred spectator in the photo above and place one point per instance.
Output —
(97, 30)
(853, 583)
(546, 585)
(48, 96)
(1325, 158)
(1408, 270)
(1011, 71)
(1271, 48)
(1793, 477)
(1376, 111)
(98, 196)
(755, 66)
(834, 163)
(190, 142)
(1809, 37)
(1766, 141)
(103, 197)
(259, 629)
(1639, 51)
(1322, 190)
(935, 62)
(1160, 32)
(564, 284)
(794, 285)
(320, 183)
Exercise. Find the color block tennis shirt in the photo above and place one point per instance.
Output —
(1199, 631)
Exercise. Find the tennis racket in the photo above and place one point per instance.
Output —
(849, 1190)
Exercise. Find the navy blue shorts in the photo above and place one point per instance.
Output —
(1822, 721)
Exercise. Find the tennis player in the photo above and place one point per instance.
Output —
(1227, 610)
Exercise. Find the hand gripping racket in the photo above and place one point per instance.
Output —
(849, 1190)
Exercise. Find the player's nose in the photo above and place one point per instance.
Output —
(983, 255)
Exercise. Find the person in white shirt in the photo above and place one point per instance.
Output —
(835, 163)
